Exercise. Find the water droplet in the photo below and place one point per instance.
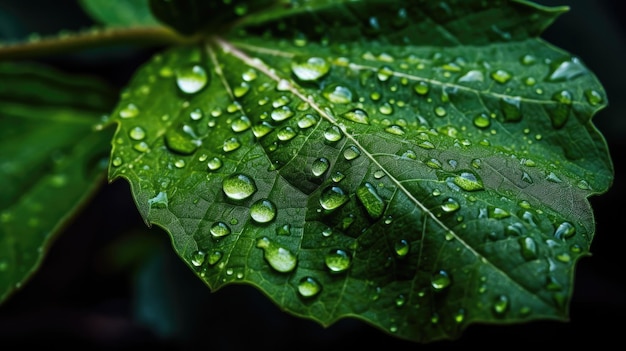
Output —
(241, 90)
(384, 73)
(482, 120)
(249, 75)
(426, 145)
(511, 108)
(357, 115)
(400, 300)
(337, 261)
(351, 152)
(501, 305)
(333, 134)
(241, 124)
(450, 205)
(309, 287)
(440, 280)
(528, 247)
(262, 129)
(564, 230)
(180, 142)
(238, 186)
(310, 69)
(421, 88)
(282, 113)
(337, 177)
(472, 76)
(566, 70)
(263, 211)
(594, 97)
(191, 78)
(320, 166)
(307, 121)
(371, 200)
(214, 164)
(440, 111)
(338, 94)
(401, 248)
(197, 258)
(285, 229)
(129, 111)
(332, 198)
(279, 258)
(219, 229)
(117, 161)
(231, 144)
(468, 181)
(501, 76)
(159, 201)
(560, 113)
(497, 213)
(137, 133)
(214, 257)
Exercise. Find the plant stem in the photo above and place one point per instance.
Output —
(90, 38)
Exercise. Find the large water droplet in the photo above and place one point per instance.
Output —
(566, 70)
(371, 200)
(263, 211)
(231, 144)
(197, 258)
(564, 230)
(214, 164)
(511, 108)
(450, 205)
(528, 247)
(333, 133)
(560, 113)
(310, 69)
(309, 287)
(421, 88)
(279, 258)
(333, 197)
(401, 247)
(282, 113)
(337, 261)
(241, 124)
(238, 186)
(191, 78)
(129, 111)
(351, 152)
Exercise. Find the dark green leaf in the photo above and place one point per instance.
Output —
(51, 160)
(420, 182)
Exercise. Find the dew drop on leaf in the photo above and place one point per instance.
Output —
(564, 230)
(282, 113)
(286, 134)
(450, 205)
(279, 258)
(333, 133)
(309, 287)
(337, 261)
(421, 88)
(351, 152)
(468, 181)
(440, 280)
(338, 94)
(197, 258)
(528, 247)
(310, 69)
(231, 144)
(219, 229)
(320, 166)
(129, 111)
(333, 197)
(214, 164)
(501, 76)
(401, 248)
(191, 78)
(263, 211)
(137, 133)
(356, 115)
(238, 186)
(307, 121)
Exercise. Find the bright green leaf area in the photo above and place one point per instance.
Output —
(119, 13)
(421, 166)
(45, 186)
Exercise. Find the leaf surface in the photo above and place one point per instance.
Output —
(120, 13)
(51, 160)
(417, 166)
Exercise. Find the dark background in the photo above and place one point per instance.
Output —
(109, 282)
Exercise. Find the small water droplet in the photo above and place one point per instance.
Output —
(337, 261)
(450, 205)
(468, 181)
(440, 111)
(249, 75)
(472, 76)
(286, 134)
(357, 115)
(501, 76)
(501, 305)
(351, 152)
(282, 113)
(401, 248)
(309, 287)
(482, 120)
(137, 133)
(593, 97)
(129, 111)
(395, 130)
(497, 213)
(338, 94)
(279, 258)
(440, 280)
(567, 69)
(197, 258)
(241, 89)
(179, 141)
(560, 113)
(263, 211)
(310, 69)
(262, 129)
(219, 229)
(214, 164)
(238, 186)
(421, 88)
(564, 230)
(191, 78)
(231, 144)
(333, 134)
(241, 124)
(307, 121)
(159, 201)
(528, 247)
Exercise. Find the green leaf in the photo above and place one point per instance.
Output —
(120, 13)
(422, 177)
(51, 160)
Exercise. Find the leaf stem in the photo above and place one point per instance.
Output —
(91, 38)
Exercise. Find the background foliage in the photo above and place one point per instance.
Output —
(115, 283)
